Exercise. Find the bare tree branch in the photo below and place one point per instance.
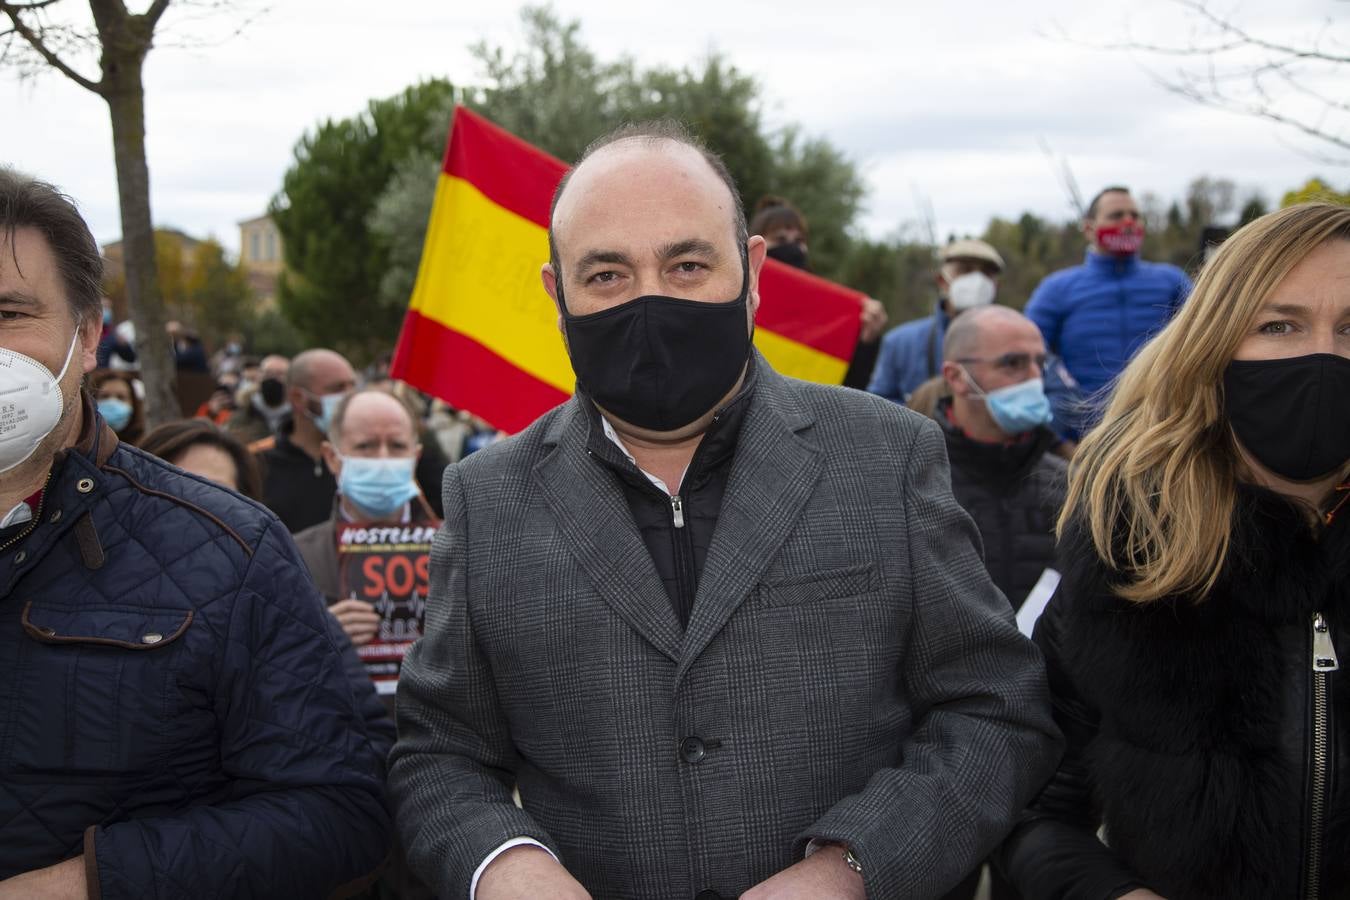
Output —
(1223, 65)
(156, 10)
(36, 40)
(1249, 40)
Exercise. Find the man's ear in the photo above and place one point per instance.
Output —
(953, 374)
(549, 276)
(1089, 231)
(331, 458)
(755, 251)
(90, 333)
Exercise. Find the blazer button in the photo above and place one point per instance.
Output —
(692, 751)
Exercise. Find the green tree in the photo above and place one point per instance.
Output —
(335, 263)
(216, 294)
(1315, 189)
(558, 95)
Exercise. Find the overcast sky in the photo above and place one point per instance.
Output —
(940, 100)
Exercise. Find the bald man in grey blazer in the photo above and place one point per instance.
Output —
(727, 632)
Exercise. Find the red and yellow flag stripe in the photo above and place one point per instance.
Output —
(481, 333)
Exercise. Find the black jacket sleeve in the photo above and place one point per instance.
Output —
(1054, 853)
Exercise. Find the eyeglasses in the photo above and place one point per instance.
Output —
(1011, 362)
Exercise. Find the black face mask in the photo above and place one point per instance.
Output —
(791, 253)
(659, 362)
(273, 392)
(1293, 414)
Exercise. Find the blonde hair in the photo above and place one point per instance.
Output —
(1155, 482)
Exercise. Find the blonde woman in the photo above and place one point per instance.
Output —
(1195, 646)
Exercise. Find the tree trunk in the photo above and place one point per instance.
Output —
(125, 93)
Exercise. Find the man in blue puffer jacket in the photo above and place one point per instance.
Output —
(175, 719)
(1095, 316)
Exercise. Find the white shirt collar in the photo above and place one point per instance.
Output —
(614, 436)
(19, 515)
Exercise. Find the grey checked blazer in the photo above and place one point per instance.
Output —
(849, 671)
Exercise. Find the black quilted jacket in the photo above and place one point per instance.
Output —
(173, 705)
(1014, 493)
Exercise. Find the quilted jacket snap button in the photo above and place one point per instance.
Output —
(20, 557)
(56, 515)
(84, 485)
(153, 637)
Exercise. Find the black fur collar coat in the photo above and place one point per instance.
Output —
(1191, 726)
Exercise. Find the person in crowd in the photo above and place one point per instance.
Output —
(911, 353)
(432, 460)
(1096, 315)
(200, 447)
(111, 343)
(189, 355)
(261, 406)
(996, 420)
(784, 230)
(160, 734)
(1194, 645)
(297, 484)
(727, 632)
(118, 403)
(219, 407)
(372, 448)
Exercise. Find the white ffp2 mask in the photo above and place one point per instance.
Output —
(30, 403)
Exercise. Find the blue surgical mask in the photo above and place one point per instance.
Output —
(377, 485)
(1018, 407)
(328, 405)
(116, 412)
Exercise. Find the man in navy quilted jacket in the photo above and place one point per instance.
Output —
(1095, 316)
(175, 720)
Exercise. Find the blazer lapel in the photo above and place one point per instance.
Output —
(594, 521)
(773, 475)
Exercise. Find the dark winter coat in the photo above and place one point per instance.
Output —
(173, 701)
(1192, 728)
(1014, 492)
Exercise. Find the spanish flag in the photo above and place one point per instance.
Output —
(481, 333)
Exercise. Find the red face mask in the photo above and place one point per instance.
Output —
(1121, 240)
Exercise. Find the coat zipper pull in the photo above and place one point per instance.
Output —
(677, 510)
(1324, 657)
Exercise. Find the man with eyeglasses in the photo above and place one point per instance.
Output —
(998, 441)
(1004, 474)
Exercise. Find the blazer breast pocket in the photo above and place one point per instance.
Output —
(816, 587)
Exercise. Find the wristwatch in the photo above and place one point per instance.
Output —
(852, 861)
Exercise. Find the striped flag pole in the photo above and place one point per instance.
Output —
(481, 333)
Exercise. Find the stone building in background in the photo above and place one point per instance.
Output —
(261, 259)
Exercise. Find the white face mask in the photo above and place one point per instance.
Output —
(30, 404)
(971, 290)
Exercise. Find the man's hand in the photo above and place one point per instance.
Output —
(1140, 894)
(873, 320)
(821, 876)
(525, 873)
(63, 881)
(358, 618)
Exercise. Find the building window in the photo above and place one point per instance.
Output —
(271, 246)
(254, 242)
